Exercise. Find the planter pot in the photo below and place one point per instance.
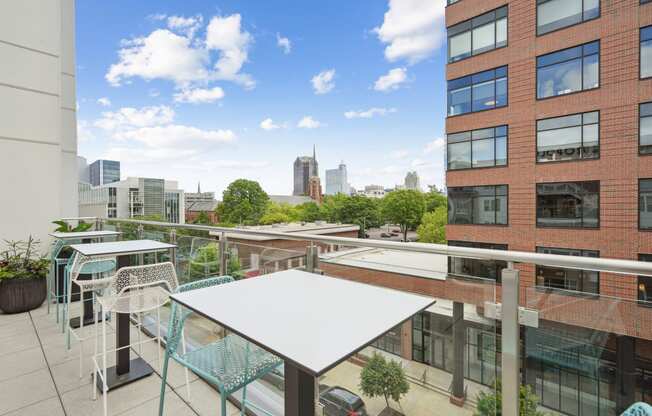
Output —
(390, 412)
(22, 295)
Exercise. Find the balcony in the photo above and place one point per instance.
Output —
(577, 355)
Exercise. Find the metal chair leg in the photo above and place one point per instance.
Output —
(164, 377)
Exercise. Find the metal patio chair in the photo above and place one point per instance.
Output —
(229, 364)
(133, 290)
(638, 409)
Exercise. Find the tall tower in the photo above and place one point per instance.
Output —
(305, 167)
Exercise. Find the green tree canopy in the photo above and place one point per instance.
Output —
(202, 218)
(404, 207)
(309, 212)
(490, 404)
(433, 226)
(359, 210)
(435, 200)
(386, 378)
(243, 202)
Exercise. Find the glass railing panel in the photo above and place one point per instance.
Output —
(249, 260)
(590, 355)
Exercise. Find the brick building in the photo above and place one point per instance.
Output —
(549, 135)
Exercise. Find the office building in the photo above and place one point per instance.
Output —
(304, 168)
(549, 132)
(133, 198)
(38, 135)
(412, 181)
(337, 181)
(374, 191)
(83, 173)
(102, 172)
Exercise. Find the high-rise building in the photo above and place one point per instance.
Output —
(83, 173)
(133, 198)
(412, 181)
(103, 172)
(38, 135)
(304, 168)
(337, 181)
(549, 133)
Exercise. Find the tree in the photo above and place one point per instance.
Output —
(243, 202)
(309, 212)
(202, 218)
(404, 207)
(360, 210)
(434, 200)
(490, 404)
(433, 226)
(381, 377)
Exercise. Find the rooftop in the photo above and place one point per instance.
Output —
(316, 228)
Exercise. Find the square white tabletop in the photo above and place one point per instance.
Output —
(119, 248)
(83, 234)
(313, 321)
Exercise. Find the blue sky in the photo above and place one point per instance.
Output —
(212, 91)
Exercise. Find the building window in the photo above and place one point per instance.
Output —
(645, 284)
(449, 2)
(645, 1)
(569, 137)
(477, 148)
(568, 279)
(465, 267)
(557, 14)
(645, 204)
(571, 70)
(478, 205)
(645, 128)
(477, 92)
(480, 34)
(568, 204)
(646, 52)
(390, 341)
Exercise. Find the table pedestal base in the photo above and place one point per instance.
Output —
(138, 368)
(299, 392)
(88, 320)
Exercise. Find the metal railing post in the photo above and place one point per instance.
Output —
(223, 254)
(99, 224)
(173, 252)
(140, 231)
(312, 258)
(510, 342)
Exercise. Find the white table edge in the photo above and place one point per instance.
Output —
(310, 371)
(167, 246)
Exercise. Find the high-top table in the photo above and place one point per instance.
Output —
(125, 370)
(312, 322)
(86, 237)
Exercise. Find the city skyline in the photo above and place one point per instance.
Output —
(353, 91)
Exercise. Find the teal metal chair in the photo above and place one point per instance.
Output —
(54, 294)
(638, 409)
(229, 364)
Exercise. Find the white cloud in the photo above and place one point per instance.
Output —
(235, 164)
(225, 35)
(268, 124)
(399, 154)
(392, 80)
(412, 29)
(185, 25)
(152, 156)
(372, 112)
(323, 83)
(283, 43)
(173, 135)
(199, 95)
(435, 145)
(129, 117)
(175, 55)
(84, 133)
(309, 123)
(104, 102)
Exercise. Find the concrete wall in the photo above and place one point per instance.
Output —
(38, 127)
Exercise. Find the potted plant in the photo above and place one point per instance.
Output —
(23, 273)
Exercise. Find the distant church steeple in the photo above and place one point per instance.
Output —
(199, 187)
(314, 152)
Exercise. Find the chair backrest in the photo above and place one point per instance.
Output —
(179, 314)
(638, 409)
(142, 276)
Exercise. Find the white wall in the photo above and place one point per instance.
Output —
(38, 133)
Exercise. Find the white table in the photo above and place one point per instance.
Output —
(84, 235)
(125, 370)
(312, 322)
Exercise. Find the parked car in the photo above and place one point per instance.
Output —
(385, 235)
(338, 401)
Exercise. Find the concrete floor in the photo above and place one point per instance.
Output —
(39, 377)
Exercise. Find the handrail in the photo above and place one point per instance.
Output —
(618, 266)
